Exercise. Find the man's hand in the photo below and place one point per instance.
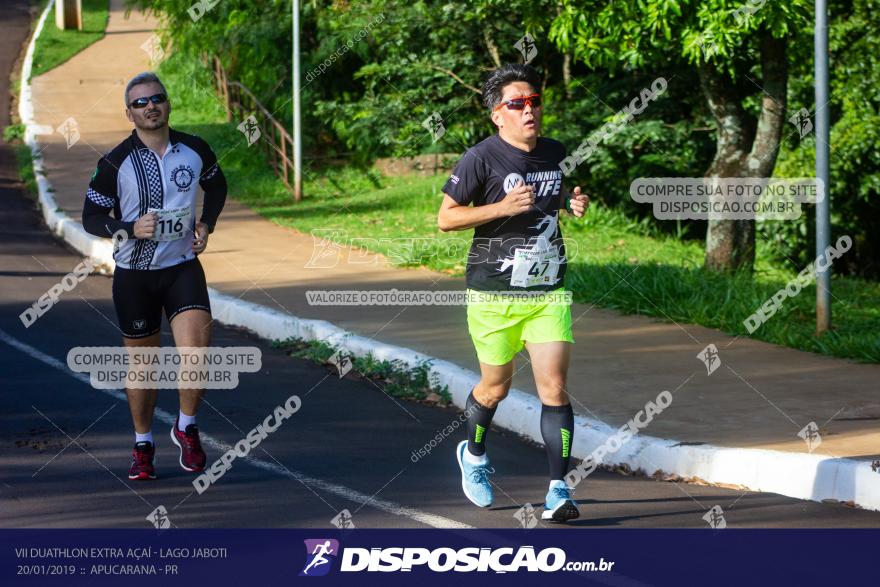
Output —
(579, 202)
(200, 237)
(145, 227)
(519, 200)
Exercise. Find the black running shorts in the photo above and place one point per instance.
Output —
(140, 295)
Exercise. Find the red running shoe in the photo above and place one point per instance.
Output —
(142, 462)
(192, 457)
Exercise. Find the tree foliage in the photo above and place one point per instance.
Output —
(374, 70)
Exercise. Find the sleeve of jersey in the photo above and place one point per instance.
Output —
(101, 199)
(467, 179)
(213, 182)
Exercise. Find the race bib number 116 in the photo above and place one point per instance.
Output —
(172, 224)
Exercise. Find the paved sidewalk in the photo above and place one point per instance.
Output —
(761, 396)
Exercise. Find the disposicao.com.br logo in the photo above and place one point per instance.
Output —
(320, 554)
(444, 559)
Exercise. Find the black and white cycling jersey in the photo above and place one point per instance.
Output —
(132, 180)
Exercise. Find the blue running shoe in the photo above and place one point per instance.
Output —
(558, 505)
(474, 478)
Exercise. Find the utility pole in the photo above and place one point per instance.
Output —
(296, 134)
(823, 137)
(68, 15)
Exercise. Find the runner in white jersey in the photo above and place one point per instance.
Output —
(147, 187)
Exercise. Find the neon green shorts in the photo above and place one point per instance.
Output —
(500, 323)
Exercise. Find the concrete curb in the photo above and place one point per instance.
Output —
(798, 475)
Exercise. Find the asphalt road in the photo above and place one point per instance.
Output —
(65, 447)
(348, 447)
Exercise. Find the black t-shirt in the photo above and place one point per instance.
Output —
(522, 252)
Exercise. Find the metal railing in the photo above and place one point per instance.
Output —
(275, 139)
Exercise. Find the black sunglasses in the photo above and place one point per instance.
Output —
(142, 102)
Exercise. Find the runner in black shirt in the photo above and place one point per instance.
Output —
(478, 180)
(508, 188)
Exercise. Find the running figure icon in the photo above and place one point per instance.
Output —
(319, 552)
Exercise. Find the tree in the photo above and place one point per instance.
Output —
(740, 52)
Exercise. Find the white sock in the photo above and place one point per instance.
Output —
(557, 482)
(474, 459)
(183, 421)
(148, 437)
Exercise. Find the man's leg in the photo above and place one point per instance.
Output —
(495, 333)
(191, 328)
(550, 367)
(479, 409)
(139, 320)
(142, 402)
(481, 404)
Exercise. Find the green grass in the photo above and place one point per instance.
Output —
(393, 377)
(54, 46)
(25, 162)
(615, 262)
(14, 135)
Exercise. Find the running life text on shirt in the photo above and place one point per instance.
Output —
(518, 253)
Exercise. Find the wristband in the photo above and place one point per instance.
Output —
(568, 204)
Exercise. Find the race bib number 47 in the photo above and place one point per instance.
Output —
(535, 266)
(172, 224)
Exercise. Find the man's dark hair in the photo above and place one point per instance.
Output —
(493, 87)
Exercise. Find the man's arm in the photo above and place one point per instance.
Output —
(576, 203)
(213, 183)
(96, 220)
(455, 216)
(215, 199)
(101, 199)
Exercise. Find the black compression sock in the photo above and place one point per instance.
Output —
(557, 429)
(478, 422)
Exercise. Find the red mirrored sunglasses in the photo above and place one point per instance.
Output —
(519, 103)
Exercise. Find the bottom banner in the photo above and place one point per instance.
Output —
(437, 557)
